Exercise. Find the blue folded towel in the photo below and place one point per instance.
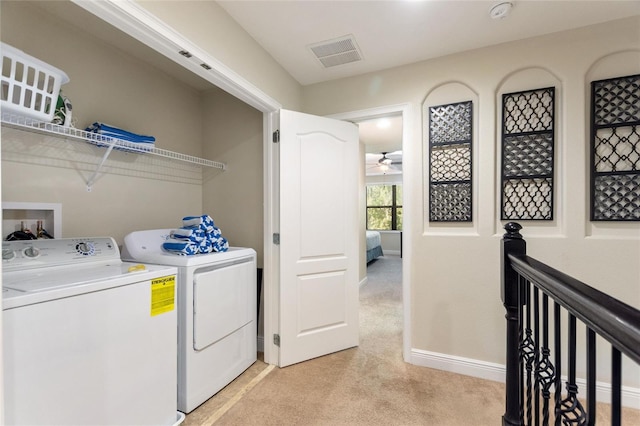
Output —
(207, 223)
(221, 245)
(205, 246)
(194, 235)
(180, 247)
(198, 235)
(214, 233)
(204, 222)
(191, 221)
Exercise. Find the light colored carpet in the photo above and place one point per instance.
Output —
(367, 385)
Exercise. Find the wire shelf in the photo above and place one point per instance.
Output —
(30, 125)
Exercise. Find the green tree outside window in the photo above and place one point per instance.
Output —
(384, 207)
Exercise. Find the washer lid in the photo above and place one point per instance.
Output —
(146, 246)
(43, 284)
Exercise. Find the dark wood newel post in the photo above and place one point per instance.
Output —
(514, 244)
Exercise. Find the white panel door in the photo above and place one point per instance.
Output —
(318, 236)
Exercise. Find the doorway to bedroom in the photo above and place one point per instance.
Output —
(381, 319)
(385, 130)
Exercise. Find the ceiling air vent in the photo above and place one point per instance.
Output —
(338, 51)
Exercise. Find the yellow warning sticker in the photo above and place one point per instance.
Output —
(163, 295)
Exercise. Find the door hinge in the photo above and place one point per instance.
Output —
(276, 239)
(276, 340)
(276, 136)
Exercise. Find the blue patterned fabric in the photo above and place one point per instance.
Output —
(180, 247)
(221, 244)
(190, 234)
(192, 222)
(198, 235)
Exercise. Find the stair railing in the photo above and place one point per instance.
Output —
(537, 298)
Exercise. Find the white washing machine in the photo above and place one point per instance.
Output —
(87, 339)
(216, 313)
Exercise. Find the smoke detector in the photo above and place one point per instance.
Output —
(500, 10)
(337, 51)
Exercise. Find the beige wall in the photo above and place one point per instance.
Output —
(444, 294)
(210, 27)
(233, 135)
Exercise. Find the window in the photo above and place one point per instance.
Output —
(384, 207)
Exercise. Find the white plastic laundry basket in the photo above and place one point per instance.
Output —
(30, 87)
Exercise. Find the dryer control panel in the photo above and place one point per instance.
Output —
(25, 254)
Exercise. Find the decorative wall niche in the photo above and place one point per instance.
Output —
(615, 149)
(528, 135)
(450, 160)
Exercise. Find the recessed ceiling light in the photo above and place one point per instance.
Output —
(500, 10)
(383, 123)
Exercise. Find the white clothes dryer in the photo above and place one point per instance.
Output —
(87, 339)
(217, 331)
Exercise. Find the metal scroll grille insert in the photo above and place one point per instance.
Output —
(450, 137)
(615, 149)
(528, 154)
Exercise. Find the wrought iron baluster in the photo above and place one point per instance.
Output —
(591, 377)
(536, 356)
(570, 409)
(522, 295)
(616, 386)
(546, 370)
(527, 354)
(558, 359)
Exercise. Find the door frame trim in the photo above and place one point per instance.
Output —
(405, 110)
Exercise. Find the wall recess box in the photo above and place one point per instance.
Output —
(16, 213)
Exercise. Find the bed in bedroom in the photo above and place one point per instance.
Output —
(374, 247)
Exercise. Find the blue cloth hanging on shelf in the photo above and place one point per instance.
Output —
(133, 141)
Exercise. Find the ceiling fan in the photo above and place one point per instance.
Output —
(388, 162)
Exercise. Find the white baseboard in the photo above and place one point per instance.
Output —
(496, 372)
(456, 364)
(396, 252)
(364, 281)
